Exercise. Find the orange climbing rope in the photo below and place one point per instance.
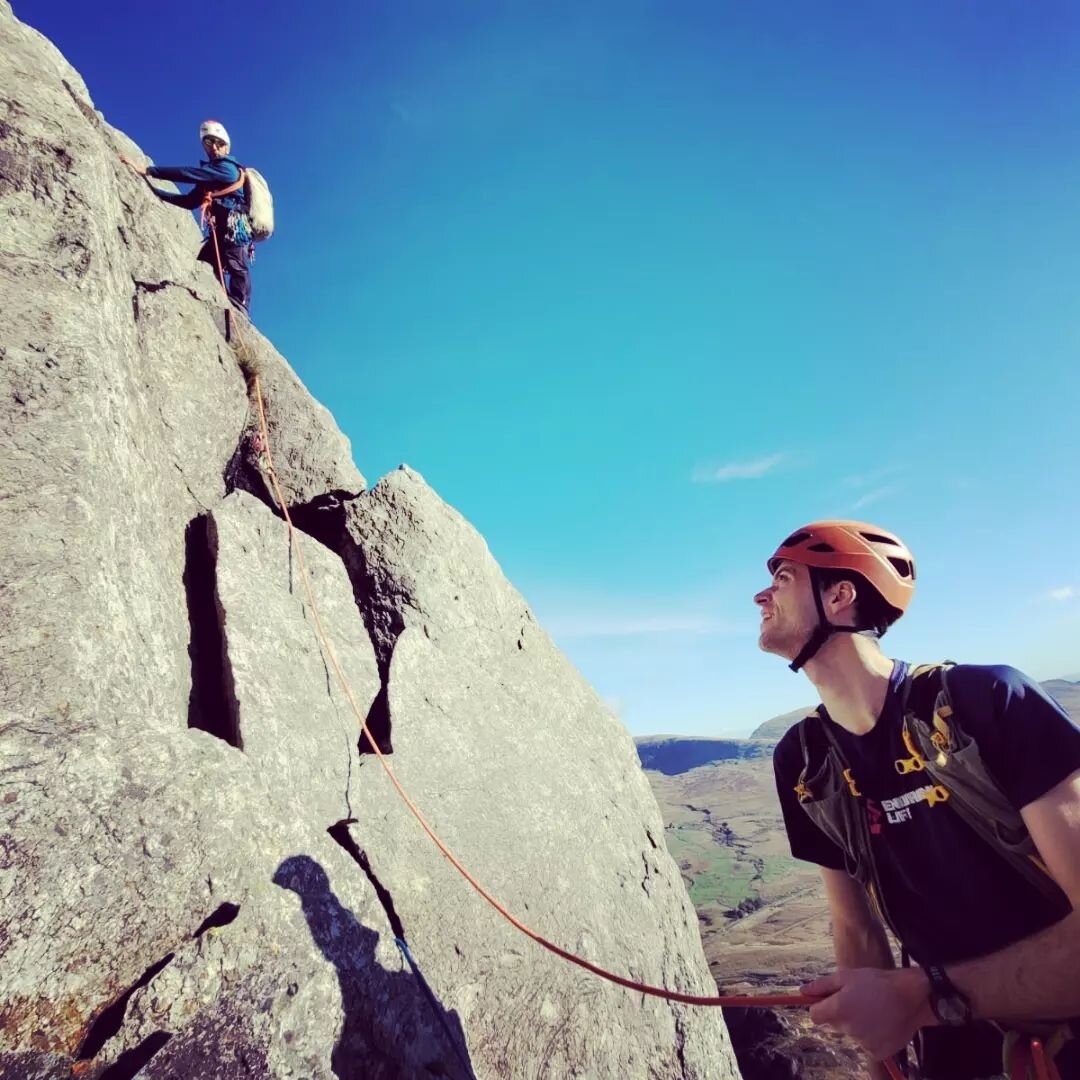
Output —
(656, 991)
(727, 1000)
(208, 202)
(1032, 1052)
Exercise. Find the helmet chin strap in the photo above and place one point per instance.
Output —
(822, 632)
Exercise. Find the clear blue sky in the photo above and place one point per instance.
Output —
(641, 286)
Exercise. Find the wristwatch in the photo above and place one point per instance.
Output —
(949, 1005)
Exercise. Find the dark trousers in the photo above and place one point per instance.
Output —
(234, 261)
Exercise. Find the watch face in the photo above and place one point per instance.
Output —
(950, 1011)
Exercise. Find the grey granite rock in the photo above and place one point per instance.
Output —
(312, 458)
(200, 875)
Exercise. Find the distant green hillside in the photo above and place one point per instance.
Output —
(776, 727)
(675, 754)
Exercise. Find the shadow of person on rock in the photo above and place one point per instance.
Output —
(391, 1028)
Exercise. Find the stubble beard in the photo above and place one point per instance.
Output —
(778, 639)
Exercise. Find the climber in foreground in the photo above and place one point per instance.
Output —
(220, 177)
(941, 802)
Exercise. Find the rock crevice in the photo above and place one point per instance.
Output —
(212, 704)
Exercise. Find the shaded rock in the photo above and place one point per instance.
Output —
(758, 1036)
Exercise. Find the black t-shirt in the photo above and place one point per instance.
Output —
(950, 894)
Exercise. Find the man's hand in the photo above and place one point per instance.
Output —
(139, 170)
(880, 1009)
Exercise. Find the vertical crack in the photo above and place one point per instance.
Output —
(339, 832)
(212, 704)
(384, 628)
(680, 1044)
(111, 1019)
(378, 719)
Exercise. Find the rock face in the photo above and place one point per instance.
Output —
(201, 874)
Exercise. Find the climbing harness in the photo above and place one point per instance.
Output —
(208, 200)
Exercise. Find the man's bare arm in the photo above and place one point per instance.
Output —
(859, 939)
(1035, 979)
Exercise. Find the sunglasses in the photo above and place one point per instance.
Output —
(213, 140)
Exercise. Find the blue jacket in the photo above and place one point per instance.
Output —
(206, 176)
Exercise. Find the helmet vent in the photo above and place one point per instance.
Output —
(877, 538)
(903, 567)
(821, 547)
(795, 538)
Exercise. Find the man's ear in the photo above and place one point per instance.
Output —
(839, 599)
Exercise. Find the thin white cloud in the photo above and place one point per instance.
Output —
(737, 470)
(874, 496)
(1065, 592)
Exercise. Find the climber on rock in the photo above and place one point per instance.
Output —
(218, 180)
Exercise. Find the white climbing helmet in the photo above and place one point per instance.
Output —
(214, 129)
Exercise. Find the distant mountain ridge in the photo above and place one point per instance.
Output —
(675, 754)
(1066, 693)
(778, 725)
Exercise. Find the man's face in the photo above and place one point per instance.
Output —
(788, 612)
(215, 147)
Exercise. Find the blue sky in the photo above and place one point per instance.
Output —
(640, 287)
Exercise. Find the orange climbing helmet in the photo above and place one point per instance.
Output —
(880, 556)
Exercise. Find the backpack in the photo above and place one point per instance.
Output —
(260, 205)
(939, 747)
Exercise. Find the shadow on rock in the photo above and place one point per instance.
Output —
(391, 1028)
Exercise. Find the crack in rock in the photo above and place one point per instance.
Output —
(339, 832)
(111, 1018)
